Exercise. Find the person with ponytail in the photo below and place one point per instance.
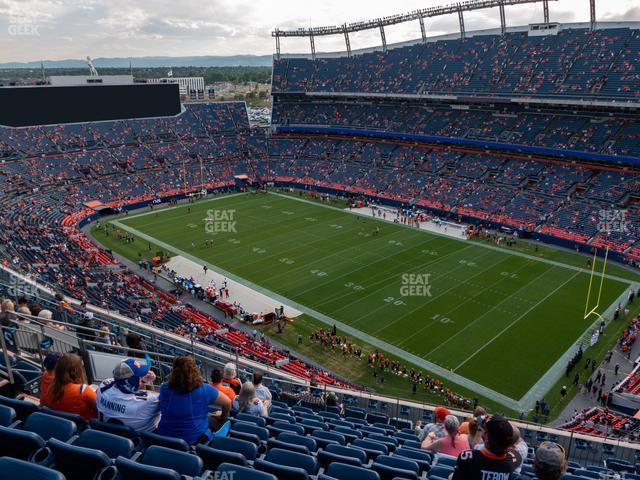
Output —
(452, 444)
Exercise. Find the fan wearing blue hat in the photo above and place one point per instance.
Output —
(122, 398)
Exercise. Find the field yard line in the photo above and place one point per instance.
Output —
(480, 244)
(517, 320)
(354, 332)
(464, 303)
(491, 309)
(431, 299)
(390, 277)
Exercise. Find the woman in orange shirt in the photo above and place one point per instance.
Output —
(69, 391)
(49, 363)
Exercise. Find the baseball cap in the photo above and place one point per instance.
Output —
(51, 359)
(500, 431)
(550, 457)
(131, 368)
(441, 413)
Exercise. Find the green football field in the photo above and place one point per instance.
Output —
(498, 318)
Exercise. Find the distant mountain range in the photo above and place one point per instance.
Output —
(151, 62)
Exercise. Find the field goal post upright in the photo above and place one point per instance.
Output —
(593, 311)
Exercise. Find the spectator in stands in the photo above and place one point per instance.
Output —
(6, 316)
(46, 316)
(184, 403)
(230, 378)
(436, 427)
(216, 381)
(550, 461)
(69, 391)
(519, 449)
(248, 402)
(477, 412)
(122, 398)
(135, 343)
(492, 460)
(262, 392)
(49, 363)
(453, 444)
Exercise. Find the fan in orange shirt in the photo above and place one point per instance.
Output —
(49, 363)
(216, 381)
(69, 391)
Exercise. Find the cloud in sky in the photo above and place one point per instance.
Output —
(61, 29)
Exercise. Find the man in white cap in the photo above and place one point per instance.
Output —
(121, 397)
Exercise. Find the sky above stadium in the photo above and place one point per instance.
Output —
(62, 29)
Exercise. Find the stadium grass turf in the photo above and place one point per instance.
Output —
(496, 318)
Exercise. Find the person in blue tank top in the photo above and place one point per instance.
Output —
(184, 402)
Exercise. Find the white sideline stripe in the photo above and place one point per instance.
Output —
(533, 307)
(479, 244)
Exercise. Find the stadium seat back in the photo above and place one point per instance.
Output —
(261, 433)
(112, 445)
(7, 416)
(281, 471)
(326, 458)
(77, 463)
(164, 457)
(116, 429)
(348, 452)
(293, 459)
(295, 439)
(19, 443)
(149, 439)
(288, 427)
(130, 470)
(331, 436)
(22, 408)
(242, 473)
(395, 467)
(246, 417)
(341, 471)
(12, 468)
(48, 426)
(248, 449)
(442, 471)
(213, 457)
(80, 422)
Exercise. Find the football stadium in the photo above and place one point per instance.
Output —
(425, 264)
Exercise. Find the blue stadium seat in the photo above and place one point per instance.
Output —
(350, 434)
(281, 471)
(115, 429)
(14, 469)
(7, 416)
(357, 421)
(48, 426)
(390, 442)
(112, 445)
(329, 415)
(377, 418)
(583, 472)
(339, 423)
(242, 427)
(299, 409)
(354, 452)
(355, 412)
(308, 442)
(441, 471)
(326, 458)
(22, 408)
(80, 422)
(279, 427)
(149, 439)
(311, 425)
(372, 448)
(246, 417)
(19, 443)
(182, 462)
(445, 460)
(243, 473)
(213, 457)
(130, 470)
(292, 459)
(293, 447)
(366, 431)
(423, 459)
(247, 449)
(284, 417)
(341, 471)
(383, 426)
(320, 436)
(77, 463)
(395, 467)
